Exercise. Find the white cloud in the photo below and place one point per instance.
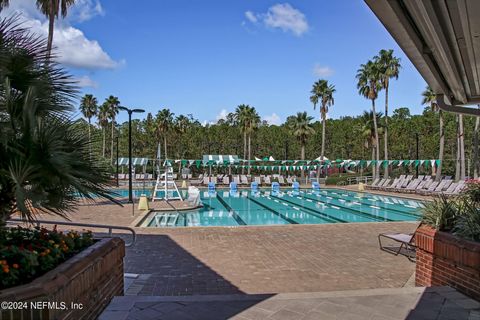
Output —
(320, 71)
(281, 16)
(73, 48)
(84, 10)
(222, 115)
(86, 82)
(273, 119)
(251, 16)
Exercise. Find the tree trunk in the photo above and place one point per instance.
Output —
(103, 149)
(377, 144)
(51, 22)
(89, 137)
(249, 152)
(462, 148)
(302, 157)
(374, 176)
(386, 131)
(323, 135)
(244, 150)
(476, 162)
(111, 145)
(438, 176)
(165, 145)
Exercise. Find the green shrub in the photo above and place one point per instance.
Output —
(459, 215)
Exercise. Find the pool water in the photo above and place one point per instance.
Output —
(225, 208)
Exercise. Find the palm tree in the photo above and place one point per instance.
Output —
(51, 9)
(252, 121)
(112, 104)
(368, 85)
(89, 108)
(301, 127)
(369, 131)
(430, 98)
(164, 120)
(103, 122)
(322, 92)
(389, 68)
(45, 164)
(241, 113)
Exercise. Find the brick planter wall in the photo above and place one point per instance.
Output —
(91, 278)
(443, 259)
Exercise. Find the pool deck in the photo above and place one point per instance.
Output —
(255, 259)
(330, 271)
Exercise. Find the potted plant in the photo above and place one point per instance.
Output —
(448, 242)
(46, 167)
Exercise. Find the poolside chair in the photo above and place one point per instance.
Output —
(206, 180)
(258, 180)
(374, 184)
(407, 244)
(387, 186)
(419, 186)
(378, 184)
(444, 184)
(460, 186)
(386, 182)
(226, 180)
(268, 181)
(447, 190)
(281, 180)
(410, 185)
(428, 189)
(406, 181)
(214, 180)
(236, 179)
(289, 180)
(243, 179)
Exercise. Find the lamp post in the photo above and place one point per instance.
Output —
(416, 137)
(130, 111)
(118, 184)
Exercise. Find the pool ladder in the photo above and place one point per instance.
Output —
(166, 220)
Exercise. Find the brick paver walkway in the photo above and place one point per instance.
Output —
(270, 259)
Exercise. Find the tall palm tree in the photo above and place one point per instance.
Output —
(103, 122)
(164, 120)
(89, 109)
(252, 121)
(241, 113)
(301, 127)
(112, 104)
(369, 132)
(322, 92)
(368, 85)
(429, 97)
(51, 9)
(389, 68)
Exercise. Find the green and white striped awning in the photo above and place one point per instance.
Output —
(219, 159)
(135, 161)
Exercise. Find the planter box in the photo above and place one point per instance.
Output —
(79, 288)
(443, 259)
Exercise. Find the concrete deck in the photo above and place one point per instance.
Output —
(374, 304)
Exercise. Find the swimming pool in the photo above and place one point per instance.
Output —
(225, 208)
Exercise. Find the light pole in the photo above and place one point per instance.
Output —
(130, 111)
(416, 137)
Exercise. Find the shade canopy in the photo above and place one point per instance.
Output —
(442, 39)
(135, 161)
(217, 159)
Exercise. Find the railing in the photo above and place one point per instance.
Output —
(357, 180)
(88, 225)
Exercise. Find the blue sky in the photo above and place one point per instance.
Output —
(206, 57)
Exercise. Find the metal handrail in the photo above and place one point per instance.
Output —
(89, 225)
